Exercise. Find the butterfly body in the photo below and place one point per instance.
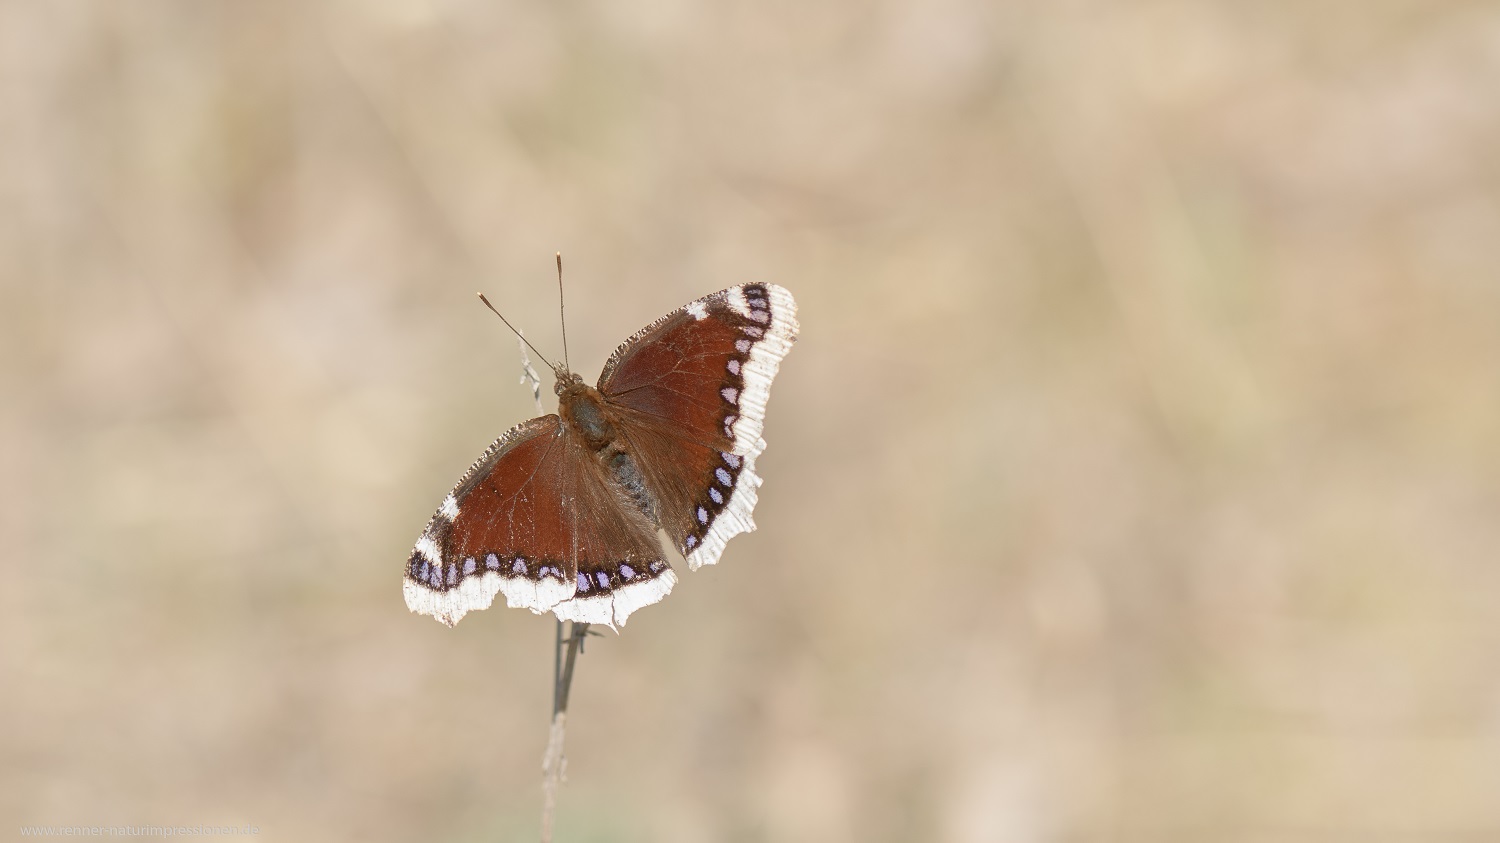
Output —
(561, 513)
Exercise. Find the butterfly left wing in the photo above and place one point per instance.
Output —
(693, 387)
(530, 521)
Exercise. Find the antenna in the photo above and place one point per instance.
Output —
(562, 313)
(513, 330)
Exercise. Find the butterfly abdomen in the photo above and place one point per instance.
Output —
(628, 477)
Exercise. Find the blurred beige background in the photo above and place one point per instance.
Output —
(1135, 478)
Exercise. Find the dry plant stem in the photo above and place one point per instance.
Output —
(553, 763)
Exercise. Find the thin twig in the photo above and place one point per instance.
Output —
(557, 651)
(554, 764)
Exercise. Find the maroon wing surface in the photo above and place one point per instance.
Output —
(532, 520)
(692, 388)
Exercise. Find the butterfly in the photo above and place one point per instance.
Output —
(561, 513)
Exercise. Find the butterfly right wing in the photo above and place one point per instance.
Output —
(693, 387)
(529, 521)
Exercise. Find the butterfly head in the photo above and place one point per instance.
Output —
(566, 380)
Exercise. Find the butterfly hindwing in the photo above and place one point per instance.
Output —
(619, 565)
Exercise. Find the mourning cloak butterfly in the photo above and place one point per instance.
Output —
(561, 513)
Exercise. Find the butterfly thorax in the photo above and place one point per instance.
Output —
(584, 411)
